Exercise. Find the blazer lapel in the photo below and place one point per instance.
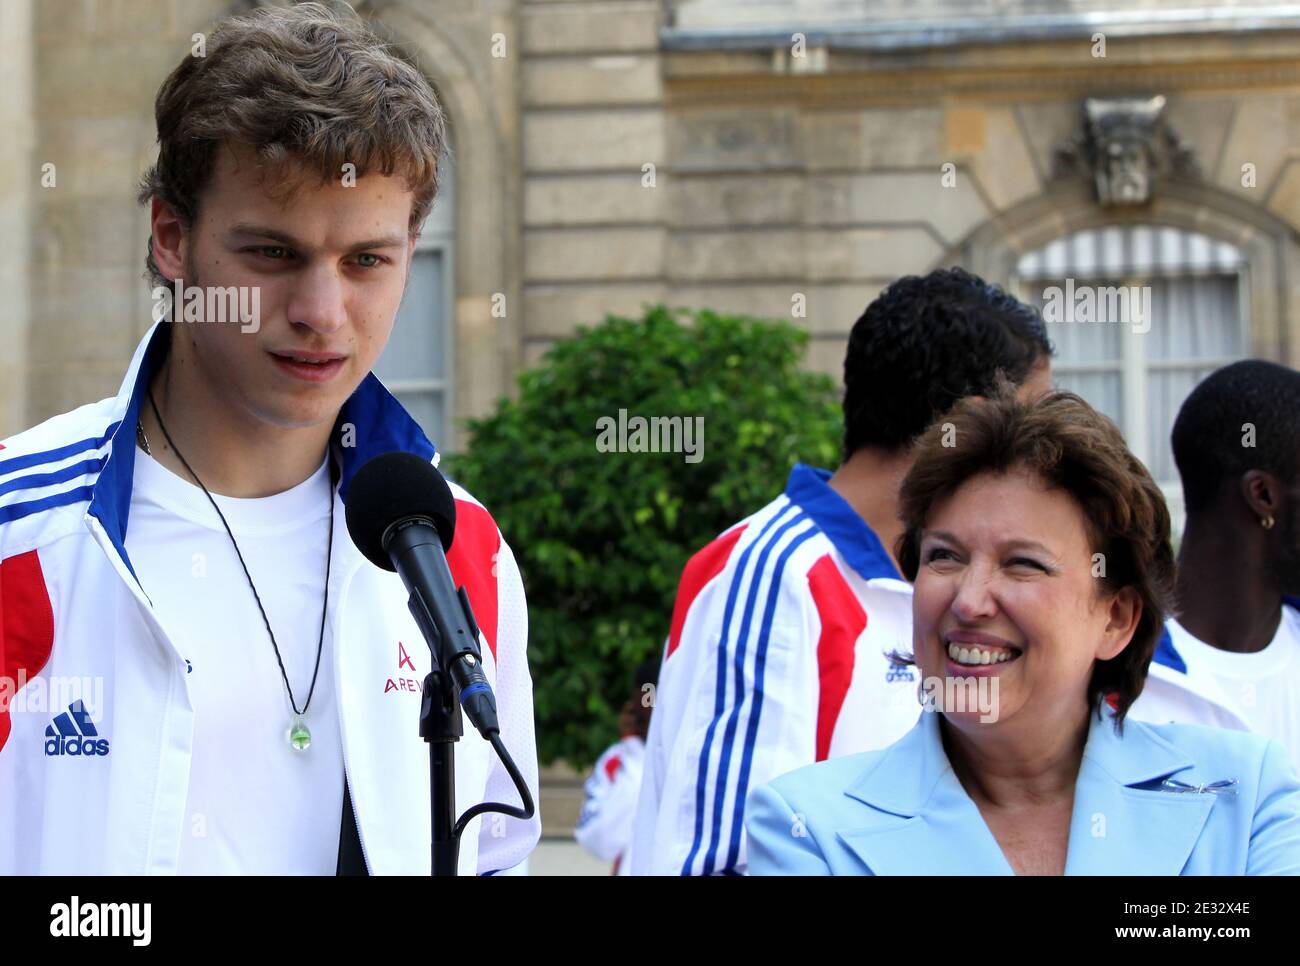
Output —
(921, 821)
(949, 838)
(1125, 822)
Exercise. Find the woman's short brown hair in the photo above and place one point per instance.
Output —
(304, 85)
(1070, 446)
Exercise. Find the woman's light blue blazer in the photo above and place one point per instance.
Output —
(1139, 809)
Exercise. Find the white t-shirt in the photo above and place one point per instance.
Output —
(255, 805)
(1262, 688)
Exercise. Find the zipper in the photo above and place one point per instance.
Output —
(355, 821)
(347, 772)
(160, 634)
(339, 684)
(132, 583)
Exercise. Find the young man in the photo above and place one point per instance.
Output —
(205, 674)
(1232, 657)
(777, 652)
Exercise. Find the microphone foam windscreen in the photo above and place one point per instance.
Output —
(391, 487)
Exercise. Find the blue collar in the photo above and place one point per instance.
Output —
(902, 778)
(370, 422)
(855, 541)
(913, 780)
(1168, 655)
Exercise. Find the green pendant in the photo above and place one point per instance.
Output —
(299, 736)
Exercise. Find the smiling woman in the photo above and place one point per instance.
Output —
(1039, 550)
(1036, 510)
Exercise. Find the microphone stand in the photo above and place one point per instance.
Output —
(412, 546)
(441, 724)
(441, 727)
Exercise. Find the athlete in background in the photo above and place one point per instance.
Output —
(776, 655)
(605, 825)
(1232, 657)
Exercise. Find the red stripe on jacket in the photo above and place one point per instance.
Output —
(26, 627)
(473, 564)
(843, 621)
(700, 569)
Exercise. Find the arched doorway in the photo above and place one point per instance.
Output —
(1139, 314)
(1219, 272)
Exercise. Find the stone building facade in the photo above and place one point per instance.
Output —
(777, 158)
(784, 158)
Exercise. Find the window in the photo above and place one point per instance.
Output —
(416, 365)
(1139, 370)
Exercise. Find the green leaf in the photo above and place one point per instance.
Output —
(601, 537)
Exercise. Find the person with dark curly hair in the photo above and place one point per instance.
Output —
(776, 654)
(1232, 656)
(1039, 549)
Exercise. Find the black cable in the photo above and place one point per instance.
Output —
(513, 811)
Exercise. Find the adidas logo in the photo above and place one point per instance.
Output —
(73, 733)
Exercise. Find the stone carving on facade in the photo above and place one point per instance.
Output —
(1125, 147)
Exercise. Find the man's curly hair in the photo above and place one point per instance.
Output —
(926, 342)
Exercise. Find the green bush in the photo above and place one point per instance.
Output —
(601, 537)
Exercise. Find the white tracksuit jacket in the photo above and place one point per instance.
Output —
(1175, 692)
(776, 658)
(609, 802)
(71, 610)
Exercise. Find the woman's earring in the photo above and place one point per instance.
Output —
(1267, 522)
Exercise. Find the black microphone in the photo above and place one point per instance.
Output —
(402, 517)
